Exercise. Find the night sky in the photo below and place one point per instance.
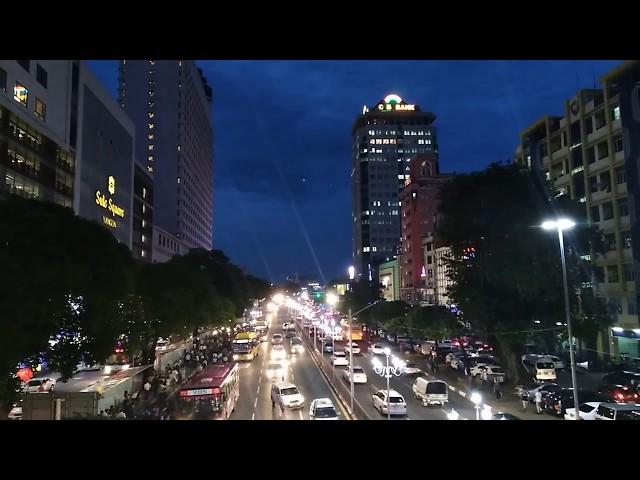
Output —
(283, 141)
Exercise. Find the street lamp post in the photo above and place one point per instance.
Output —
(333, 347)
(387, 352)
(561, 225)
(476, 399)
(351, 359)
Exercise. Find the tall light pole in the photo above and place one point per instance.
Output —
(476, 399)
(387, 352)
(332, 300)
(561, 225)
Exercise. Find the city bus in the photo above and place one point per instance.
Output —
(356, 331)
(211, 394)
(245, 346)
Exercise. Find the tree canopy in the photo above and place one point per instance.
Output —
(506, 269)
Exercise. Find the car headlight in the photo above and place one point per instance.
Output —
(235, 357)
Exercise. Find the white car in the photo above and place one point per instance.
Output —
(449, 357)
(359, 375)
(278, 352)
(323, 409)
(587, 411)
(286, 395)
(354, 347)
(36, 385)
(162, 345)
(296, 345)
(377, 349)
(339, 359)
(488, 372)
(394, 404)
(457, 362)
(16, 412)
(411, 368)
(276, 339)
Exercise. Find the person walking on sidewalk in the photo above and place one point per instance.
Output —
(538, 399)
(496, 390)
(525, 401)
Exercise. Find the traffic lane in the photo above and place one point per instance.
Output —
(402, 384)
(250, 377)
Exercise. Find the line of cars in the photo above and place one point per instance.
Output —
(617, 398)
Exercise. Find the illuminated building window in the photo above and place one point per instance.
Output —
(150, 158)
(372, 141)
(378, 141)
(151, 93)
(152, 104)
(178, 147)
(150, 169)
(144, 195)
(41, 109)
(392, 141)
(385, 141)
(152, 126)
(21, 93)
(151, 136)
(150, 146)
(144, 208)
(152, 114)
(420, 132)
(178, 179)
(143, 253)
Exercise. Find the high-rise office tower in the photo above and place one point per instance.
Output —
(385, 139)
(169, 102)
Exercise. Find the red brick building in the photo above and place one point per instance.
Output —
(419, 208)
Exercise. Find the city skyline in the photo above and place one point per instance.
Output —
(273, 193)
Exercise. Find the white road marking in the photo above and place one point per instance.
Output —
(255, 403)
(253, 417)
(300, 413)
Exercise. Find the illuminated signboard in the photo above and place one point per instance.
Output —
(393, 103)
(109, 204)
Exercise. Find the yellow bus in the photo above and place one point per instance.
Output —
(245, 346)
(356, 332)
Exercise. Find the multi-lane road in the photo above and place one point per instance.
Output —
(257, 376)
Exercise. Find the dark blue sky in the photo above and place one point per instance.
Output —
(283, 141)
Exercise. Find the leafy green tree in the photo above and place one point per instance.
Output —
(361, 294)
(62, 278)
(506, 270)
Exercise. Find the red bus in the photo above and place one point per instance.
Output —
(212, 393)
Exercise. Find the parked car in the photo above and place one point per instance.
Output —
(457, 362)
(557, 401)
(450, 356)
(616, 411)
(390, 402)
(488, 373)
(377, 349)
(544, 388)
(359, 375)
(539, 367)
(328, 347)
(618, 393)
(587, 411)
(36, 385)
(354, 348)
(339, 359)
(504, 416)
(626, 378)
(16, 411)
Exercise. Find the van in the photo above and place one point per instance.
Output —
(617, 411)
(540, 367)
(430, 392)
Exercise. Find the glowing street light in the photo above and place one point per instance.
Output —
(332, 299)
(352, 272)
(476, 399)
(486, 412)
(453, 415)
(561, 225)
